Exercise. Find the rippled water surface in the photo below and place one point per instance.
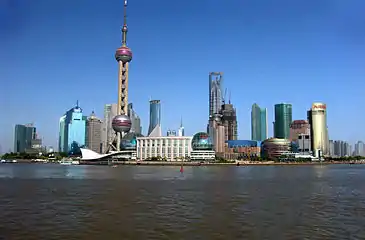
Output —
(144, 202)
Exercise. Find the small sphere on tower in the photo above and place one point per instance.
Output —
(123, 54)
(121, 123)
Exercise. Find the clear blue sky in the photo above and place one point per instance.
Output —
(53, 53)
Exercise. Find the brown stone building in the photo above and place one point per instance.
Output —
(93, 133)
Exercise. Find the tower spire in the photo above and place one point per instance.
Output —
(181, 123)
(125, 28)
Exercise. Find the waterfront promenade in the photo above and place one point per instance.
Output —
(243, 163)
(189, 163)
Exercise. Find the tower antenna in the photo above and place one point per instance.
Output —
(229, 99)
(125, 28)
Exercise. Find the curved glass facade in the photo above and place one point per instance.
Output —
(283, 119)
(243, 143)
(201, 141)
(129, 141)
(258, 123)
(275, 147)
(155, 115)
(72, 130)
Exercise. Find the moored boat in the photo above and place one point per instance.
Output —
(69, 161)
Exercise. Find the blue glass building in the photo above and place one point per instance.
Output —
(258, 123)
(72, 130)
(23, 136)
(201, 141)
(283, 119)
(155, 115)
(243, 143)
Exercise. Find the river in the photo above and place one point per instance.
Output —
(48, 201)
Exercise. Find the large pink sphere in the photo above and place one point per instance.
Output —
(121, 123)
(123, 54)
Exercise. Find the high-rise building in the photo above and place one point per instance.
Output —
(110, 111)
(72, 129)
(283, 119)
(136, 121)
(229, 121)
(259, 129)
(181, 131)
(215, 93)
(299, 127)
(331, 148)
(217, 133)
(317, 117)
(121, 123)
(23, 137)
(61, 134)
(216, 128)
(342, 148)
(154, 129)
(360, 148)
(171, 133)
(93, 133)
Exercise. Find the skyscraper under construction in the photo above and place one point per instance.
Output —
(222, 124)
(215, 93)
(215, 127)
(229, 121)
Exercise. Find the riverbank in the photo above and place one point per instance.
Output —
(238, 163)
(179, 163)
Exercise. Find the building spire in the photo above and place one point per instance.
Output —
(77, 103)
(125, 28)
(181, 122)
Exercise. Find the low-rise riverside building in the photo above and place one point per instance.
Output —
(176, 148)
(273, 148)
(242, 149)
(170, 148)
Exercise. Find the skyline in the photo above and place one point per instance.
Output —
(262, 51)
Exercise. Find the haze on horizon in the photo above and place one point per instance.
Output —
(54, 53)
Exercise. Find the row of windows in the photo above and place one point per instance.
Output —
(165, 142)
(164, 155)
(163, 145)
(163, 150)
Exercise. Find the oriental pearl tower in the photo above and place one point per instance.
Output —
(121, 123)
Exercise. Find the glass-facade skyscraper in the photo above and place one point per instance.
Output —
(258, 123)
(215, 93)
(23, 136)
(283, 119)
(61, 135)
(155, 118)
(72, 130)
(136, 121)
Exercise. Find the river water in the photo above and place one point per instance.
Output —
(46, 201)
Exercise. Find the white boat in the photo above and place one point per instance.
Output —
(69, 161)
